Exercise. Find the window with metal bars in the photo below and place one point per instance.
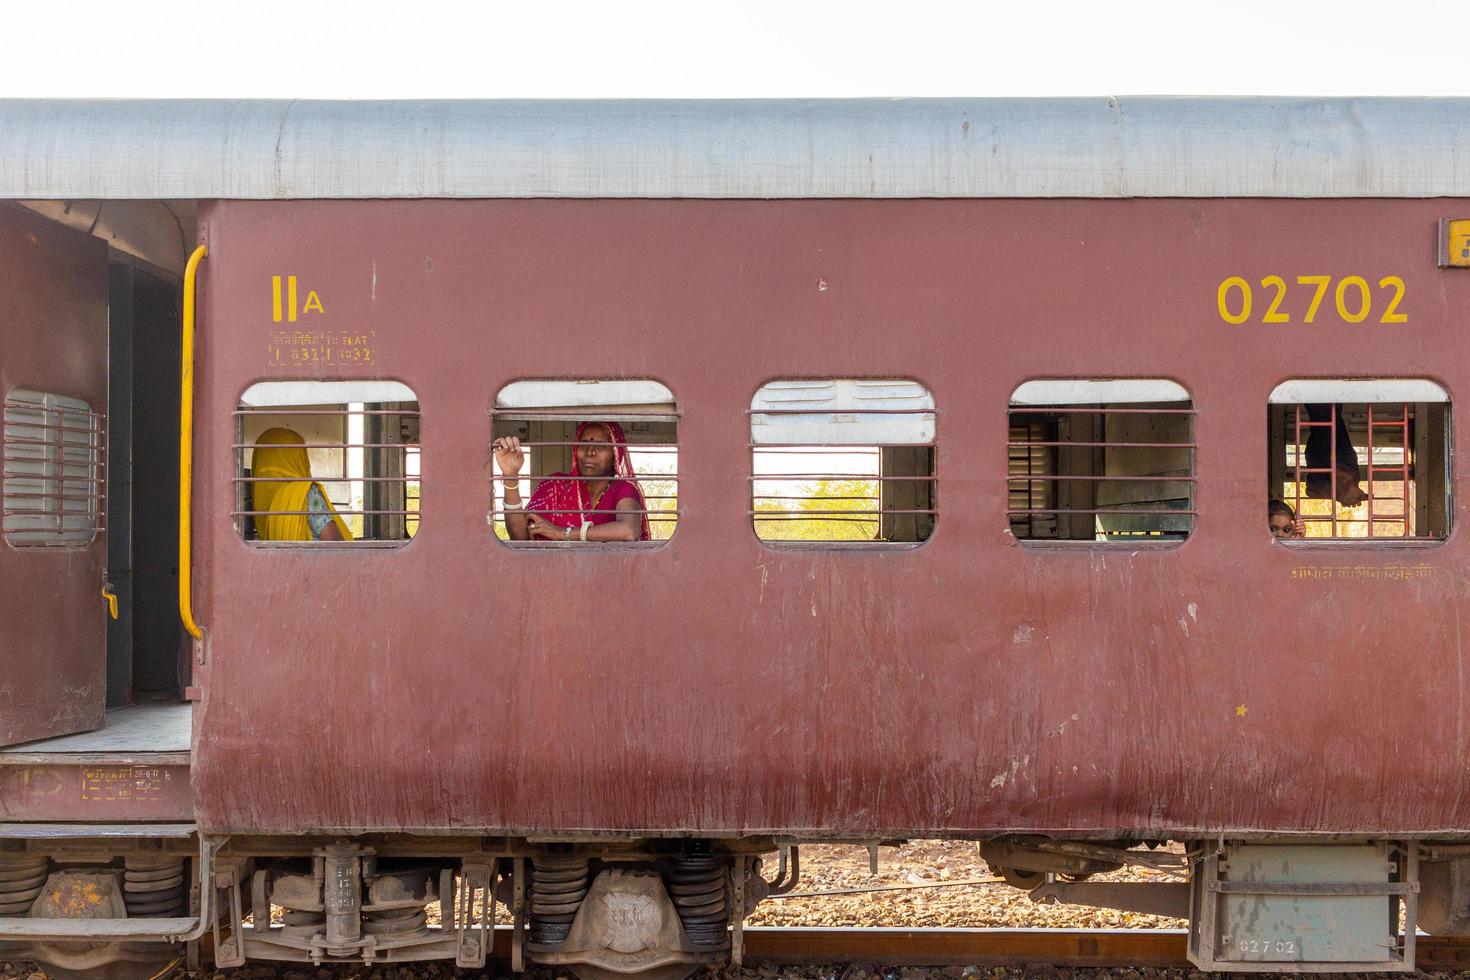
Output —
(845, 461)
(1108, 460)
(1360, 459)
(53, 486)
(327, 463)
(560, 499)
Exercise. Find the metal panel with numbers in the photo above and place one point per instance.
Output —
(1310, 907)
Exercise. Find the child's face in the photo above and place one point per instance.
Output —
(1280, 526)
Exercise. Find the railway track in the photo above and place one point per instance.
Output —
(1162, 949)
(1151, 948)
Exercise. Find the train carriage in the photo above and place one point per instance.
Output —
(813, 333)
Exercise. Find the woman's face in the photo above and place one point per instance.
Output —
(595, 451)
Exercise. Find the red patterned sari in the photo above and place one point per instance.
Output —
(563, 499)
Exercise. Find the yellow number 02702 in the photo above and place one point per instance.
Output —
(1352, 299)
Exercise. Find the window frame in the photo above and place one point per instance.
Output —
(240, 507)
(577, 411)
(930, 411)
(1071, 392)
(1407, 391)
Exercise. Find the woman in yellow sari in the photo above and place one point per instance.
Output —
(289, 504)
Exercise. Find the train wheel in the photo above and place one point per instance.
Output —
(1024, 880)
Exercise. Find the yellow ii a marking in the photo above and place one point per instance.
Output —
(286, 307)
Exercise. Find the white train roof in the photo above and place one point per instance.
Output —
(869, 148)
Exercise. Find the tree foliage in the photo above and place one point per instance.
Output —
(841, 510)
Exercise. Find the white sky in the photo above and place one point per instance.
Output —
(747, 48)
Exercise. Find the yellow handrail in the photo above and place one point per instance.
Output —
(186, 448)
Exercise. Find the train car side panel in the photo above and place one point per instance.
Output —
(970, 685)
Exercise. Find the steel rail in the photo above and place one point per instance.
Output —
(1157, 948)
(937, 947)
(899, 946)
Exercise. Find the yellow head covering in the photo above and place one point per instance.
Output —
(281, 453)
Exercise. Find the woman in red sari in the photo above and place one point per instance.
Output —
(600, 500)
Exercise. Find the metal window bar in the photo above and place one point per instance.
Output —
(581, 413)
(878, 478)
(1102, 510)
(377, 524)
(271, 410)
(765, 515)
(53, 482)
(1104, 444)
(1094, 410)
(1401, 473)
(321, 479)
(334, 445)
(772, 496)
(1113, 477)
(816, 409)
(662, 520)
(340, 511)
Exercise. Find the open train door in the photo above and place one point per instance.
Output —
(53, 384)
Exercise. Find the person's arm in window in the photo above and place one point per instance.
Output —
(321, 518)
(510, 458)
(627, 525)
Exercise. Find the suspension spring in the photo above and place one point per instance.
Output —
(154, 886)
(302, 926)
(22, 876)
(697, 887)
(558, 885)
(396, 923)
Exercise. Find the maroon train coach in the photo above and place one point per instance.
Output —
(1071, 476)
